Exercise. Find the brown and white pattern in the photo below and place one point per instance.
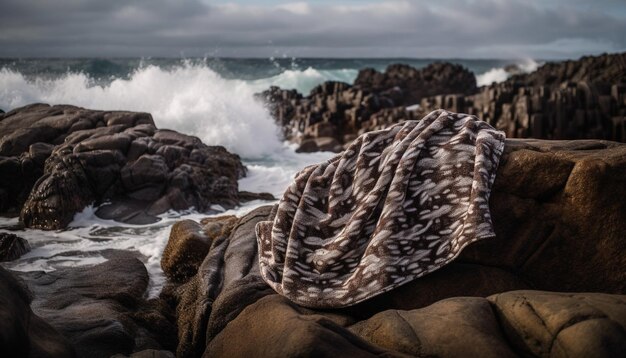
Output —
(397, 204)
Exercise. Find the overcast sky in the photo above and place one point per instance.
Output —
(442, 28)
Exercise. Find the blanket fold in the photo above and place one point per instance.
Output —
(395, 205)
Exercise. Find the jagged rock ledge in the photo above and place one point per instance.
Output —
(581, 99)
(56, 160)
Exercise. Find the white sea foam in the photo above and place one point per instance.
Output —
(190, 98)
(305, 80)
(87, 235)
(499, 74)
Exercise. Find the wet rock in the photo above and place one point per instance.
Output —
(12, 247)
(101, 309)
(186, 248)
(245, 196)
(23, 333)
(55, 160)
(189, 243)
(148, 353)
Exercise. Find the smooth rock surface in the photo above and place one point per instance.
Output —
(101, 309)
(22, 332)
(560, 221)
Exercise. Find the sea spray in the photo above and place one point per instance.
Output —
(191, 99)
(203, 98)
(500, 74)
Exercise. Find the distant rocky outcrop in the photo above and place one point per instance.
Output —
(337, 111)
(407, 85)
(565, 100)
(55, 160)
(559, 217)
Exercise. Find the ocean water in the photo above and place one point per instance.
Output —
(208, 98)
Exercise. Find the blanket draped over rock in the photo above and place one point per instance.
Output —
(395, 205)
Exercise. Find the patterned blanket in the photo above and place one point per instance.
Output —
(397, 204)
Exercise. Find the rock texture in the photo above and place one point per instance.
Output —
(23, 333)
(189, 243)
(567, 100)
(56, 160)
(411, 85)
(12, 247)
(560, 221)
(334, 110)
(101, 309)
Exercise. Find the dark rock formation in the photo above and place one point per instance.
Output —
(56, 160)
(560, 220)
(412, 84)
(101, 309)
(12, 246)
(593, 69)
(334, 110)
(228, 274)
(23, 333)
(581, 99)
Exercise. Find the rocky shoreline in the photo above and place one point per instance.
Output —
(559, 219)
(581, 99)
(552, 283)
(56, 160)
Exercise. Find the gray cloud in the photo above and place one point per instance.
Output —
(449, 28)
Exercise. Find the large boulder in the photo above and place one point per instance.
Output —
(101, 309)
(55, 160)
(22, 332)
(511, 324)
(560, 220)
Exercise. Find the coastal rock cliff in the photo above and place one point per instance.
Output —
(55, 160)
(567, 100)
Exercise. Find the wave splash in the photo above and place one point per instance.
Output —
(501, 74)
(191, 99)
